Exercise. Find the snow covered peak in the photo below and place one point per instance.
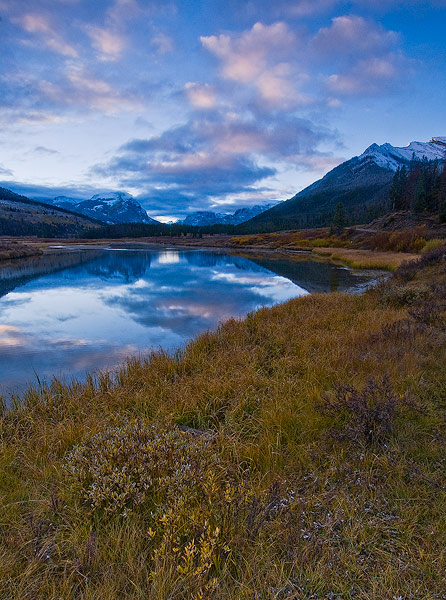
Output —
(65, 200)
(391, 157)
(438, 140)
(112, 197)
(203, 218)
(109, 207)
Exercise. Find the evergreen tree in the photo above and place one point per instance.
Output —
(420, 203)
(339, 220)
(398, 190)
(441, 195)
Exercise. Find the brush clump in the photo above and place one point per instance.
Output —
(122, 467)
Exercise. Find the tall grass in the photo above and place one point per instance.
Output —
(365, 259)
(280, 506)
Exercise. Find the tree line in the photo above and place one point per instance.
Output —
(420, 187)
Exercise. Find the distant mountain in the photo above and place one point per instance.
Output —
(108, 207)
(362, 184)
(203, 218)
(22, 216)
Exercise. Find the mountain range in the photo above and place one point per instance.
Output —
(109, 207)
(362, 184)
(203, 218)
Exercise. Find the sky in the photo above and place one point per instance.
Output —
(210, 104)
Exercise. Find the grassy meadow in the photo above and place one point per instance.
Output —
(355, 247)
(296, 454)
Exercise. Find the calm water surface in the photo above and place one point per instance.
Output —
(83, 310)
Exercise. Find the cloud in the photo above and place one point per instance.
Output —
(364, 58)
(368, 77)
(5, 172)
(163, 43)
(80, 191)
(285, 67)
(33, 99)
(40, 25)
(123, 10)
(352, 36)
(43, 150)
(307, 8)
(203, 162)
(230, 134)
(109, 44)
(259, 57)
(201, 96)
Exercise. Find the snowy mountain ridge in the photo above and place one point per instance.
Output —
(203, 218)
(109, 207)
(113, 197)
(391, 157)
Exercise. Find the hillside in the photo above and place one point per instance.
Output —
(296, 454)
(21, 216)
(362, 184)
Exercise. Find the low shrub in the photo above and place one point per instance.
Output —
(368, 415)
(196, 509)
(430, 258)
(409, 240)
(122, 467)
(400, 296)
(433, 245)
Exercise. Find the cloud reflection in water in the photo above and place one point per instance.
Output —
(94, 312)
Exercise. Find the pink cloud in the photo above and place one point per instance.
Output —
(40, 25)
(259, 57)
(368, 77)
(108, 43)
(201, 96)
(352, 36)
(364, 58)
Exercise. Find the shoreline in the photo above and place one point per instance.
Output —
(357, 258)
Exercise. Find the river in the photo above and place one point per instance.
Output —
(81, 310)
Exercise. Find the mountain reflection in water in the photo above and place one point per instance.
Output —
(74, 311)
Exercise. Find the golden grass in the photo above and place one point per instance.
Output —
(12, 249)
(299, 513)
(366, 259)
(290, 240)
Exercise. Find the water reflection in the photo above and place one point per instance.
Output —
(78, 311)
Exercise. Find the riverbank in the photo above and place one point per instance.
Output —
(12, 249)
(295, 454)
(366, 259)
(361, 258)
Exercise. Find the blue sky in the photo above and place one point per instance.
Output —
(193, 105)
